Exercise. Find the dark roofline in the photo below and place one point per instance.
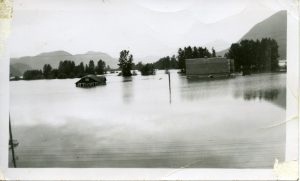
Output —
(204, 58)
(94, 77)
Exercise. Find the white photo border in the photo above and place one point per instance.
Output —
(292, 127)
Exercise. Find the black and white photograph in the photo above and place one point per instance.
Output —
(149, 84)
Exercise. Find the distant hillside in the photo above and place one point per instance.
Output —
(53, 58)
(273, 27)
(217, 45)
(147, 59)
(13, 71)
(17, 69)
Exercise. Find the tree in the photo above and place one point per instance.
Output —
(79, 70)
(139, 66)
(188, 52)
(100, 68)
(181, 60)
(166, 62)
(173, 63)
(91, 67)
(47, 71)
(213, 52)
(125, 63)
(86, 69)
(274, 54)
(33, 74)
(54, 73)
(195, 53)
(66, 69)
(234, 53)
(147, 69)
(254, 56)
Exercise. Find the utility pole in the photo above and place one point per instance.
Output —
(169, 86)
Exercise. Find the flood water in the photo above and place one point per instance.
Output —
(131, 122)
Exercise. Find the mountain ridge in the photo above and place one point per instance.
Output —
(54, 57)
(274, 27)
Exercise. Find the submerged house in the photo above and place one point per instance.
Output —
(209, 67)
(91, 81)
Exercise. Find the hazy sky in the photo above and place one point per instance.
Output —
(145, 27)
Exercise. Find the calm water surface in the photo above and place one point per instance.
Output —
(131, 122)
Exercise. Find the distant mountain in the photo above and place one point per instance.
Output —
(17, 69)
(13, 71)
(147, 59)
(217, 45)
(53, 58)
(92, 55)
(273, 27)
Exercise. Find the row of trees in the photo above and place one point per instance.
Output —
(147, 69)
(126, 61)
(166, 63)
(66, 69)
(254, 56)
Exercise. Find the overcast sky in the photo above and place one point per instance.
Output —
(145, 27)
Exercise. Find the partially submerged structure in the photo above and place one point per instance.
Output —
(91, 81)
(209, 67)
(282, 65)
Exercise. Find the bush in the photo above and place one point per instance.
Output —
(33, 75)
(147, 69)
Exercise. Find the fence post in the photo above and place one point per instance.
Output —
(169, 86)
(12, 144)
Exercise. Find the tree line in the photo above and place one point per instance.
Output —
(126, 65)
(254, 56)
(66, 69)
(249, 55)
(178, 61)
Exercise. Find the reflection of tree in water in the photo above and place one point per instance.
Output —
(268, 95)
(127, 90)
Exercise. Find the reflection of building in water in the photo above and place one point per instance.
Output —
(209, 67)
(261, 94)
(276, 96)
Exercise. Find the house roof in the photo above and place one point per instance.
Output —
(94, 77)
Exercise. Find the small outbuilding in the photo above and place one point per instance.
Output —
(209, 67)
(91, 81)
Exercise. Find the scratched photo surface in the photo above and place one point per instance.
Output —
(147, 84)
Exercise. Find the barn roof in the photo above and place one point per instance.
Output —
(94, 77)
(206, 60)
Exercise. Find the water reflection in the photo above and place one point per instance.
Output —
(276, 96)
(268, 95)
(127, 89)
(200, 89)
(269, 87)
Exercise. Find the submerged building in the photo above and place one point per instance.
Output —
(209, 67)
(91, 81)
